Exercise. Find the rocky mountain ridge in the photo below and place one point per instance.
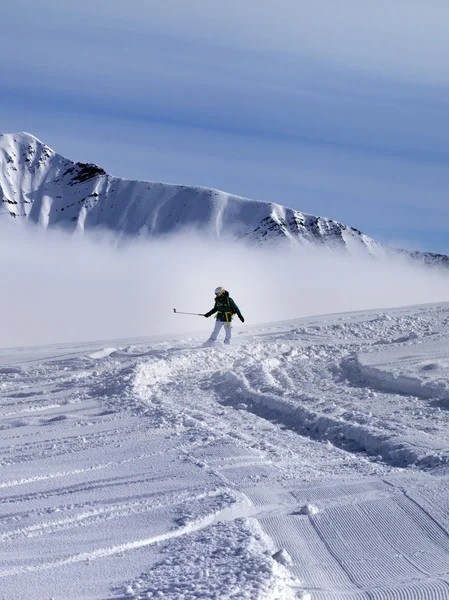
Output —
(41, 186)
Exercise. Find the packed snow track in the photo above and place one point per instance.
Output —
(310, 459)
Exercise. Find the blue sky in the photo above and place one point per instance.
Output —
(334, 107)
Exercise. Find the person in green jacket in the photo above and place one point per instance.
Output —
(226, 308)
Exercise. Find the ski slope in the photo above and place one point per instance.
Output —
(310, 459)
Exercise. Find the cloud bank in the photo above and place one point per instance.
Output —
(58, 288)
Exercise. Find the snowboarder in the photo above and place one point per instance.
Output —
(226, 308)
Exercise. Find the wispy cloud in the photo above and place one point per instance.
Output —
(406, 39)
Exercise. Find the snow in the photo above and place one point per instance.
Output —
(310, 459)
(417, 369)
(103, 353)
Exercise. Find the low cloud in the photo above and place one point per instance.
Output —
(60, 288)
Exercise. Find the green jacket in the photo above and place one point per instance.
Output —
(225, 307)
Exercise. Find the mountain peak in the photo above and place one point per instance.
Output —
(20, 138)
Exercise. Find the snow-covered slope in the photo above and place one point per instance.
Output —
(308, 460)
(44, 187)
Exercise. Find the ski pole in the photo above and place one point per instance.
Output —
(178, 312)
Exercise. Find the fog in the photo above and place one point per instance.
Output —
(60, 288)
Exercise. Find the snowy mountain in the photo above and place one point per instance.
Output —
(39, 185)
(42, 186)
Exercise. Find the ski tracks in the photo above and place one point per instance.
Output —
(107, 477)
(278, 413)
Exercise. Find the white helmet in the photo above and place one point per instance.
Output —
(219, 290)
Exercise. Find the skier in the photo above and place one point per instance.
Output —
(226, 308)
